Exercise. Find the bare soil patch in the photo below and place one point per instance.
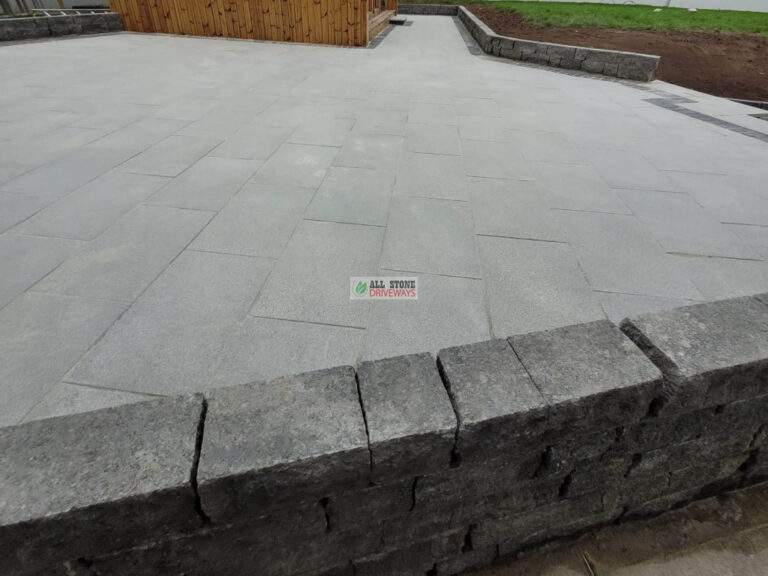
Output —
(724, 64)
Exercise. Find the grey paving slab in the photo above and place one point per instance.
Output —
(382, 121)
(681, 225)
(65, 399)
(449, 312)
(66, 174)
(370, 150)
(48, 146)
(431, 176)
(512, 129)
(666, 153)
(432, 139)
(495, 160)
(576, 187)
(635, 263)
(275, 197)
(323, 131)
(170, 157)
(754, 236)
(140, 135)
(310, 282)
(218, 124)
(297, 165)
(248, 229)
(353, 196)
(29, 335)
(11, 170)
(15, 208)
(188, 109)
(485, 128)
(724, 197)
(264, 348)
(526, 118)
(432, 236)
(432, 113)
(620, 306)
(541, 146)
(254, 142)
(91, 209)
(511, 208)
(388, 100)
(629, 169)
(24, 260)
(40, 123)
(114, 119)
(478, 106)
(534, 286)
(173, 338)
(123, 261)
(717, 278)
(206, 185)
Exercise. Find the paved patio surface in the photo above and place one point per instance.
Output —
(178, 214)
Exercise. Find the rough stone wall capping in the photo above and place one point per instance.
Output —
(409, 465)
(626, 65)
(48, 26)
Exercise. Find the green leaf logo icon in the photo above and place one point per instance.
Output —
(361, 288)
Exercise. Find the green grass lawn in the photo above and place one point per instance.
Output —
(624, 17)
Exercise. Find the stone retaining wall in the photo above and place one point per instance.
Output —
(628, 65)
(408, 465)
(45, 26)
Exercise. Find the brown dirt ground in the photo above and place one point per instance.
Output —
(714, 537)
(723, 64)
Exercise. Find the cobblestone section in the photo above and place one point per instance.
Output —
(626, 65)
(405, 466)
(44, 26)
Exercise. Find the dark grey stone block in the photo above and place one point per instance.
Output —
(560, 518)
(592, 66)
(704, 472)
(411, 423)
(561, 52)
(710, 354)
(283, 441)
(638, 67)
(495, 399)
(477, 556)
(42, 26)
(417, 558)
(292, 541)
(98, 23)
(590, 374)
(462, 490)
(354, 510)
(96, 482)
(23, 28)
(64, 25)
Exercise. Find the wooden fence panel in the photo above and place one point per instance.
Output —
(340, 22)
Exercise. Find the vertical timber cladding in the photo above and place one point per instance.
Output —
(338, 22)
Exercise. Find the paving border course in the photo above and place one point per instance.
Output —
(626, 65)
(407, 465)
(48, 26)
